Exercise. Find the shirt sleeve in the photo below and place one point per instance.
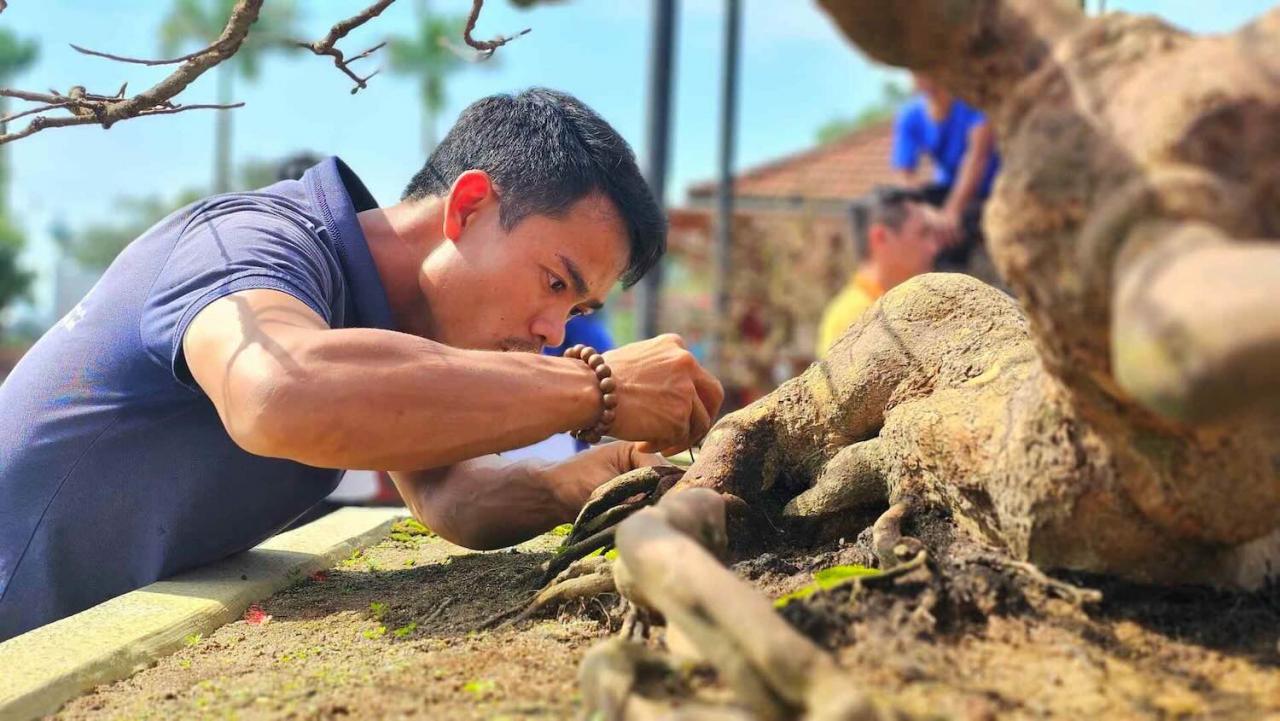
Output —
(224, 249)
(906, 147)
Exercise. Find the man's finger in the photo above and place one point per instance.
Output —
(710, 392)
(699, 422)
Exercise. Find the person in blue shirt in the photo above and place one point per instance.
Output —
(958, 140)
(203, 393)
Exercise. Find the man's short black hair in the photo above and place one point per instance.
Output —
(546, 150)
(886, 205)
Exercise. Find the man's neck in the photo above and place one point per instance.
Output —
(399, 237)
(879, 277)
(938, 104)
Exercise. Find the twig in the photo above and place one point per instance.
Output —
(486, 47)
(438, 610)
(40, 109)
(138, 61)
(572, 553)
(87, 108)
(325, 45)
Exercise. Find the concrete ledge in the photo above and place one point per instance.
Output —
(44, 668)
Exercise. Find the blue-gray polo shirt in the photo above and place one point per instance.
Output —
(115, 470)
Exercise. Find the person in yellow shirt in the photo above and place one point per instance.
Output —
(899, 238)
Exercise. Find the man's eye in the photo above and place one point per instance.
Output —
(557, 285)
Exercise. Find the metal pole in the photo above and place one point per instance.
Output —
(657, 132)
(724, 189)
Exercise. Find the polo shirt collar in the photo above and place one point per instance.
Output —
(339, 194)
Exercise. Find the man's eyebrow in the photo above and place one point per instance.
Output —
(579, 283)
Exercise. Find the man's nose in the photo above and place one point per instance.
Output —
(550, 332)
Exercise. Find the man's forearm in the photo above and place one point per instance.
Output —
(972, 169)
(488, 503)
(361, 398)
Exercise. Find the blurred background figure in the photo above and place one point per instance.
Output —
(900, 238)
(958, 140)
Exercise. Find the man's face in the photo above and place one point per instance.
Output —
(493, 289)
(911, 249)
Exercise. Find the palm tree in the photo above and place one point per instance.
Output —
(199, 23)
(427, 55)
(16, 55)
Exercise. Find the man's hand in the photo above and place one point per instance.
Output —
(575, 478)
(665, 399)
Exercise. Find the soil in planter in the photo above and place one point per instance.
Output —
(346, 645)
(388, 633)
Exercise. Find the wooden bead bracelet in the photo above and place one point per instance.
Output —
(608, 395)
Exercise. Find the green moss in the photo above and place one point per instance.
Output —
(826, 579)
(410, 527)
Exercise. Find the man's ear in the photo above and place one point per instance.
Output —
(470, 192)
(877, 236)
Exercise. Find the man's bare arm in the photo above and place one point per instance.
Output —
(973, 168)
(490, 502)
(287, 386)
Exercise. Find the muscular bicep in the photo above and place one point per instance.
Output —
(239, 347)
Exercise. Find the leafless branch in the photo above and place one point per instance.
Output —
(486, 47)
(138, 61)
(38, 109)
(325, 46)
(85, 108)
(106, 110)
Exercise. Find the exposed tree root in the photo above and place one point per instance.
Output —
(667, 563)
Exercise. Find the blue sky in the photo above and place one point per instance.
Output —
(797, 73)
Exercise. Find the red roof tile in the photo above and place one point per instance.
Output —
(843, 169)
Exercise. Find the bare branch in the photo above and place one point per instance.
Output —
(325, 46)
(38, 109)
(106, 110)
(139, 61)
(486, 47)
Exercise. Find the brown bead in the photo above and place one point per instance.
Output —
(606, 418)
(572, 351)
(610, 400)
(603, 372)
(608, 385)
(586, 352)
(595, 361)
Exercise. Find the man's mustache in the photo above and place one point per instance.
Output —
(516, 345)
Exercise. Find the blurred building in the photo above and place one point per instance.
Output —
(794, 223)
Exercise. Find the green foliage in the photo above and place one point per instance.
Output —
(15, 281)
(405, 630)
(96, 245)
(377, 610)
(563, 529)
(892, 96)
(16, 54)
(426, 55)
(192, 639)
(197, 23)
(375, 633)
(827, 579)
